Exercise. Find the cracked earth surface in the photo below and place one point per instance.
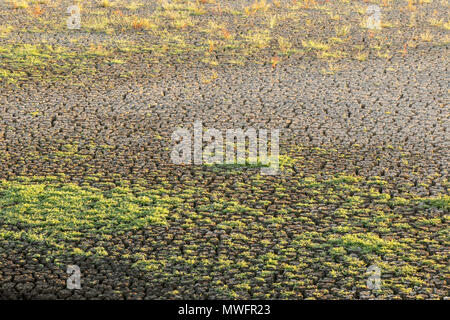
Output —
(88, 181)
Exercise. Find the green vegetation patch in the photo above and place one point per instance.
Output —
(49, 62)
(262, 231)
(49, 212)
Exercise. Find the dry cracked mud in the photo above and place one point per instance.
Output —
(87, 177)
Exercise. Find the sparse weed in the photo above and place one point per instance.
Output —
(37, 11)
(20, 4)
(316, 45)
(133, 6)
(138, 23)
(272, 21)
(257, 6)
(331, 70)
(5, 30)
(285, 45)
(105, 4)
(427, 36)
(258, 39)
(436, 23)
(342, 31)
(361, 56)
